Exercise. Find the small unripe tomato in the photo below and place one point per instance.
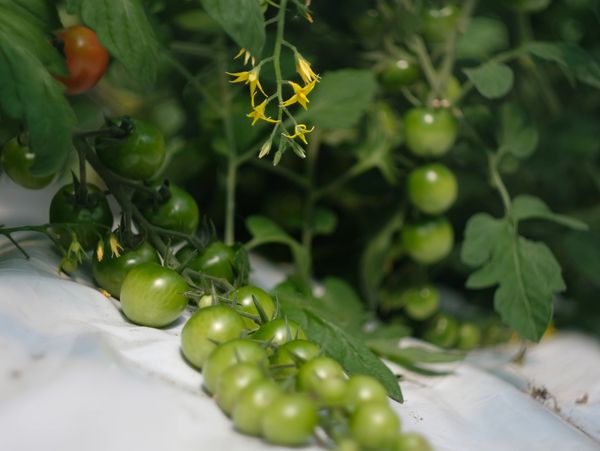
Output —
(438, 23)
(139, 155)
(152, 295)
(432, 188)
(398, 74)
(428, 241)
(17, 160)
(429, 132)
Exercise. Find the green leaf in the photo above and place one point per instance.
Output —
(40, 13)
(265, 231)
(343, 304)
(531, 207)
(414, 354)
(352, 353)
(491, 79)
(583, 253)
(376, 151)
(518, 134)
(374, 258)
(527, 274)
(124, 29)
(29, 93)
(324, 221)
(242, 20)
(483, 38)
(341, 98)
(575, 62)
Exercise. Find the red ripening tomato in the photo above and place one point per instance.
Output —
(86, 58)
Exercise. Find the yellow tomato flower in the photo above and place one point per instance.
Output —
(304, 70)
(299, 132)
(258, 112)
(247, 56)
(300, 94)
(250, 77)
(115, 246)
(100, 250)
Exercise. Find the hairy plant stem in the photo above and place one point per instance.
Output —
(311, 200)
(232, 158)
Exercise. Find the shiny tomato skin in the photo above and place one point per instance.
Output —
(153, 296)
(110, 272)
(428, 241)
(87, 60)
(138, 156)
(180, 212)
(17, 160)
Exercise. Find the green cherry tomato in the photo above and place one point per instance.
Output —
(421, 302)
(437, 24)
(527, 6)
(64, 208)
(279, 331)
(398, 74)
(411, 441)
(111, 271)
(179, 212)
(152, 295)
(228, 354)
(217, 323)
(429, 132)
(216, 260)
(290, 420)
(137, 156)
(374, 425)
(428, 241)
(252, 404)
(442, 331)
(244, 300)
(361, 389)
(294, 352)
(324, 378)
(17, 161)
(469, 336)
(233, 381)
(432, 188)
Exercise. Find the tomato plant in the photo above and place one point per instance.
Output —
(86, 59)
(310, 157)
(152, 295)
(17, 160)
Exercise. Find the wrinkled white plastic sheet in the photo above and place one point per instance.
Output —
(75, 375)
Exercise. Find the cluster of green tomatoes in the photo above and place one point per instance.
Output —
(258, 365)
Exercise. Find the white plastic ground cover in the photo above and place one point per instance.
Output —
(75, 375)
